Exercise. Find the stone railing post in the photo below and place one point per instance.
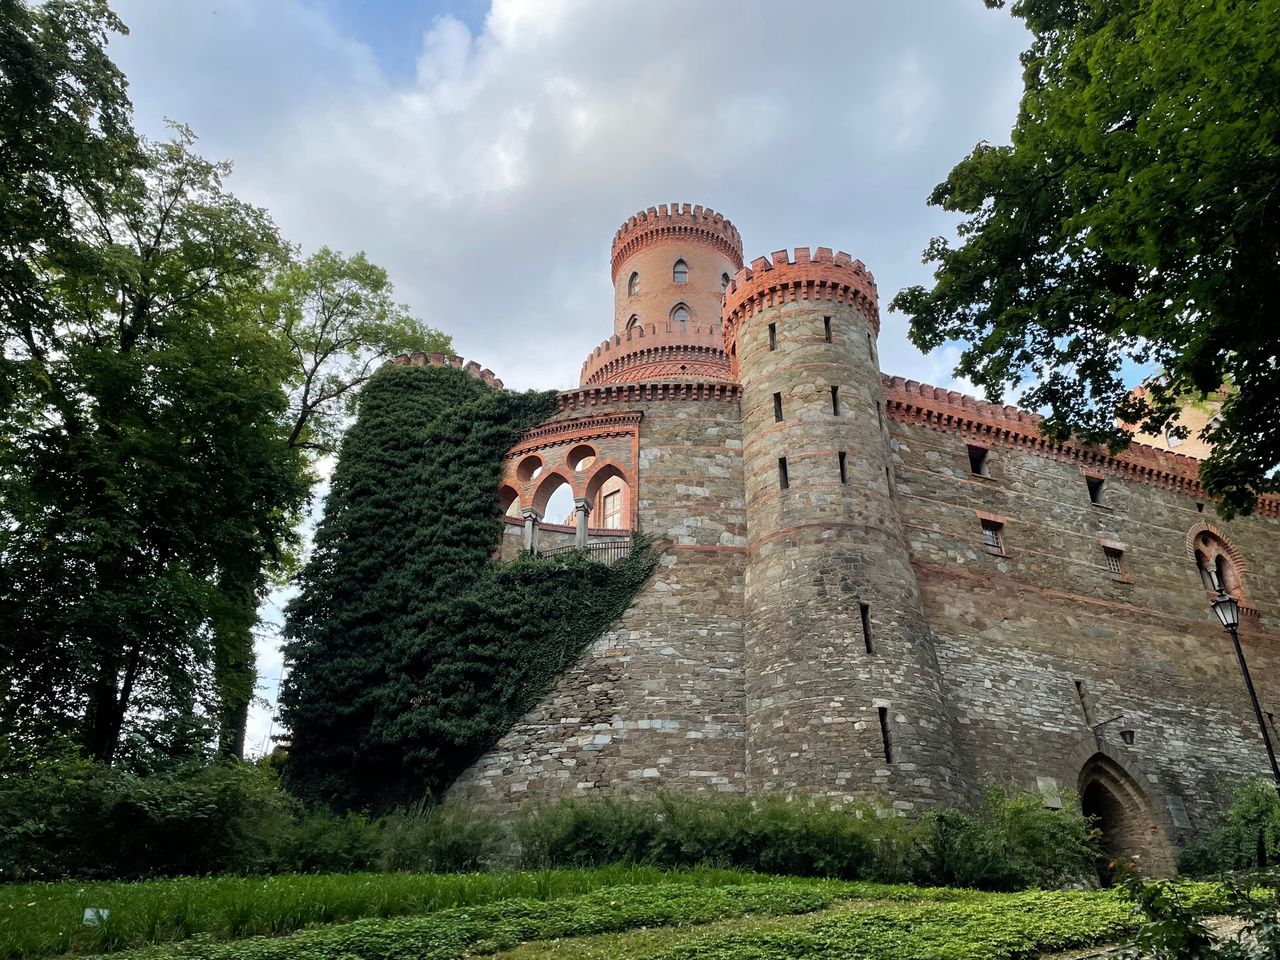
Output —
(532, 517)
(581, 507)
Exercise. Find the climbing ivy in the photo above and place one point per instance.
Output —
(411, 649)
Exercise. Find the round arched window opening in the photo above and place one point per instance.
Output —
(680, 272)
(633, 285)
(581, 457)
(530, 468)
(1217, 566)
(724, 281)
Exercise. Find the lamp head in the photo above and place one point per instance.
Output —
(1227, 609)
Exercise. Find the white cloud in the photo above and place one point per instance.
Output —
(489, 181)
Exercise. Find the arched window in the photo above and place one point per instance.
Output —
(724, 281)
(1216, 564)
(680, 272)
(633, 285)
(681, 315)
(633, 323)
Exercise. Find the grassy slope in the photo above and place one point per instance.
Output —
(589, 914)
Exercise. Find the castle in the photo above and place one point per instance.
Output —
(870, 587)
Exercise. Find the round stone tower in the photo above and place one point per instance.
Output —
(843, 688)
(670, 266)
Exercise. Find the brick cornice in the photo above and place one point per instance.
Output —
(678, 222)
(706, 361)
(946, 411)
(580, 428)
(630, 393)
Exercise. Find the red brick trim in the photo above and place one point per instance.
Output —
(680, 222)
(919, 404)
(630, 393)
(557, 432)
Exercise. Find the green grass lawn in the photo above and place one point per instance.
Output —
(569, 914)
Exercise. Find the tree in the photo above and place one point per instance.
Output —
(1134, 219)
(340, 320)
(147, 486)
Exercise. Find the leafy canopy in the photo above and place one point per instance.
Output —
(1133, 219)
(411, 650)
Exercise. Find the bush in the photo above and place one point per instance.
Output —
(72, 818)
(1010, 842)
(1248, 838)
(772, 835)
(440, 838)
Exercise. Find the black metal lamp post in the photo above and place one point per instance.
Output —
(1228, 611)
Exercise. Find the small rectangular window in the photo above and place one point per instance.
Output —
(782, 473)
(844, 473)
(1095, 490)
(992, 536)
(865, 610)
(773, 336)
(826, 328)
(1114, 557)
(884, 734)
(777, 407)
(835, 401)
(978, 461)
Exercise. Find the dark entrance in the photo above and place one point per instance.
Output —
(1119, 808)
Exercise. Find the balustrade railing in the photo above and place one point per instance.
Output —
(607, 552)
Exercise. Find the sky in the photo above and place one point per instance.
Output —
(485, 151)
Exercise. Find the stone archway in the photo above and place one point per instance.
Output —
(1131, 830)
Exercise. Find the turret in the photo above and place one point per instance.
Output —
(670, 265)
(844, 694)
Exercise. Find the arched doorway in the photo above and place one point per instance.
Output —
(1130, 830)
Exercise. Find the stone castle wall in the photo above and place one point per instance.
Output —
(1069, 649)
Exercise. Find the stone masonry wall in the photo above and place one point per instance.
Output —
(657, 701)
(1040, 642)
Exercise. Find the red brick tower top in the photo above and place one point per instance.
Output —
(670, 265)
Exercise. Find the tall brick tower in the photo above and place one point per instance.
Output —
(670, 265)
(842, 681)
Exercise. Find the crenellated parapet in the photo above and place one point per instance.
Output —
(619, 357)
(676, 221)
(909, 401)
(785, 278)
(420, 359)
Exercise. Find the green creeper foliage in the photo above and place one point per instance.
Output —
(411, 649)
(1133, 219)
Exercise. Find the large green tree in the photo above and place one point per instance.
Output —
(148, 486)
(1132, 223)
(410, 649)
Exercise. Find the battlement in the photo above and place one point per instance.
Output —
(694, 339)
(785, 277)
(420, 359)
(676, 221)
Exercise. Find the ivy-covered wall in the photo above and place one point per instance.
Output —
(411, 649)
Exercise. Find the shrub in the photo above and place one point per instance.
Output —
(70, 817)
(1010, 842)
(439, 838)
(773, 835)
(1248, 838)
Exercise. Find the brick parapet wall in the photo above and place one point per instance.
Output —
(787, 278)
(677, 222)
(631, 355)
(984, 423)
(420, 359)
